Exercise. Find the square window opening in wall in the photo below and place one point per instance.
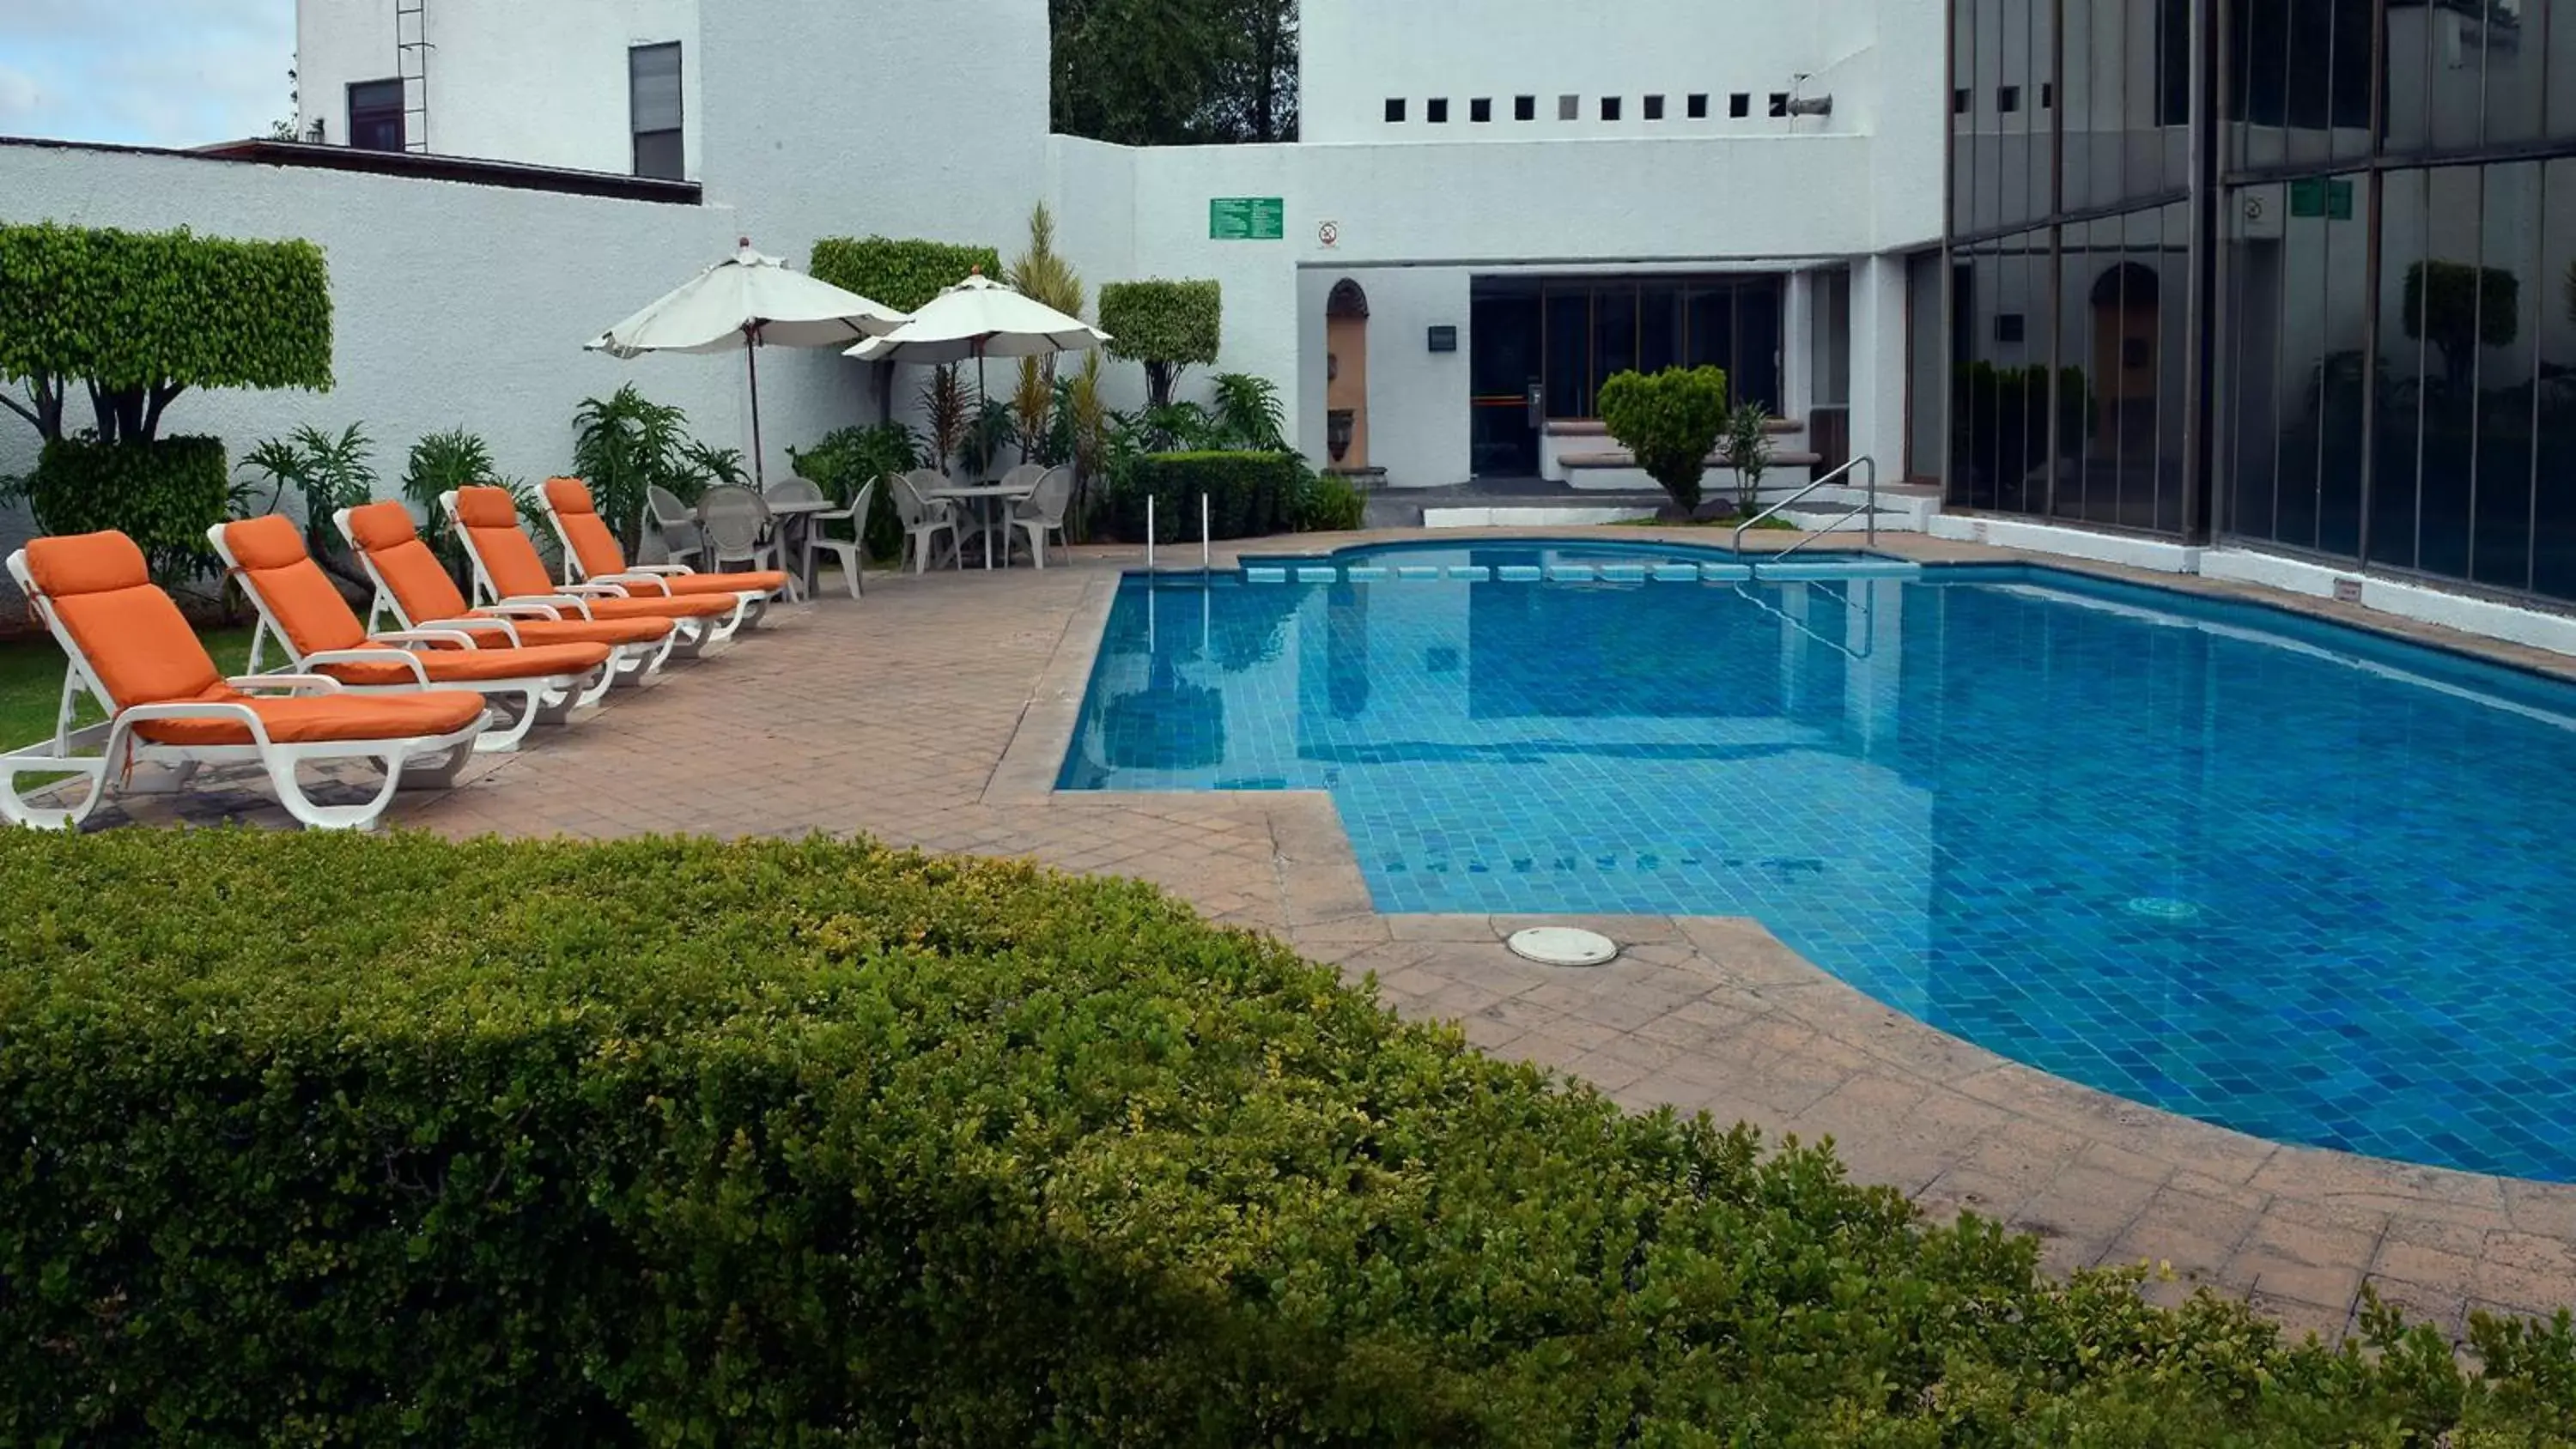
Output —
(1654, 108)
(1569, 108)
(2048, 95)
(1610, 108)
(1394, 110)
(1698, 107)
(1959, 101)
(2007, 99)
(376, 115)
(653, 100)
(1436, 112)
(1524, 108)
(1739, 105)
(2009, 327)
(1779, 103)
(1480, 110)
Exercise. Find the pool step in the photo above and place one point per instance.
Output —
(1662, 572)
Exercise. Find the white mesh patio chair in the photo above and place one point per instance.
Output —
(738, 531)
(924, 518)
(682, 539)
(1042, 512)
(852, 551)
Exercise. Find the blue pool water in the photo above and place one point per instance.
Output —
(2237, 864)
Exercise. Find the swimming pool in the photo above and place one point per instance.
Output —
(2228, 861)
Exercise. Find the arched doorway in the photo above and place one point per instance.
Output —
(2126, 360)
(1346, 315)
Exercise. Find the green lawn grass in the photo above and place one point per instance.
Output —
(31, 681)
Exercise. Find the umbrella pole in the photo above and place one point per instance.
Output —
(751, 357)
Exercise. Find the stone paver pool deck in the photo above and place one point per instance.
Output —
(935, 714)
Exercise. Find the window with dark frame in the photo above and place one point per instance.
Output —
(1480, 110)
(1959, 101)
(653, 81)
(2007, 99)
(1524, 108)
(2047, 95)
(1779, 103)
(1436, 112)
(376, 115)
(1698, 107)
(1739, 105)
(2010, 326)
(1654, 108)
(1394, 110)
(1610, 108)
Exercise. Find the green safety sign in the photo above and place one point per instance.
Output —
(2318, 196)
(1247, 218)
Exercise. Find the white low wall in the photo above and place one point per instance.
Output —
(453, 305)
(2142, 553)
(2466, 613)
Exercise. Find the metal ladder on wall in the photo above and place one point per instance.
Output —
(411, 49)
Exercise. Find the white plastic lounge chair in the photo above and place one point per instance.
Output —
(508, 570)
(167, 703)
(302, 611)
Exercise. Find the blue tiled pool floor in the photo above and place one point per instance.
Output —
(2256, 870)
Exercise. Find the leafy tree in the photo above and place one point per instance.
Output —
(137, 318)
(1669, 421)
(1748, 452)
(1165, 325)
(1176, 72)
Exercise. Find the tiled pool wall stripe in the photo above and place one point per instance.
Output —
(1662, 573)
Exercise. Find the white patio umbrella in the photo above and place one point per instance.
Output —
(749, 301)
(980, 318)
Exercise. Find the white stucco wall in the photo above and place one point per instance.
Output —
(508, 80)
(1357, 54)
(453, 305)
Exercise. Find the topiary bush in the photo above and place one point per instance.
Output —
(1250, 495)
(1668, 421)
(163, 493)
(1165, 325)
(140, 317)
(901, 273)
(325, 1138)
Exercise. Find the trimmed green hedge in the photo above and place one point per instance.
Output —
(163, 494)
(1669, 421)
(146, 313)
(320, 1138)
(1165, 325)
(1250, 495)
(902, 274)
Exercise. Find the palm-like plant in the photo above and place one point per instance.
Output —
(1248, 414)
(623, 445)
(988, 431)
(944, 409)
(327, 474)
(1086, 425)
(442, 463)
(1033, 408)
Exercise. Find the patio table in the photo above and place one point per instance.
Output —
(794, 516)
(988, 521)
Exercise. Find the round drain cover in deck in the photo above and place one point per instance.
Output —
(1563, 946)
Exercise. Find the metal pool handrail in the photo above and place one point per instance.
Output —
(1868, 506)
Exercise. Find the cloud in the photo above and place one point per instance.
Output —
(145, 72)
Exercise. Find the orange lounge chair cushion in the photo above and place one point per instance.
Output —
(418, 581)
(595, 548)
(703, 606)
(326, 718)
(269, 555)
(589, 631)
(488, 665)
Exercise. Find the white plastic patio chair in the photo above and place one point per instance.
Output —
(682, 538)
(1042, 512)
(852, 551)
(738, 530)
(924, 518)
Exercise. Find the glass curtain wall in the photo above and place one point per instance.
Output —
(1595, 327)
(2392, 336)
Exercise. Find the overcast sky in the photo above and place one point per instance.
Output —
(144, 72)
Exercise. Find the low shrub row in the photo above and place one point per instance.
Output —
(328, 1139)
(1250, 495)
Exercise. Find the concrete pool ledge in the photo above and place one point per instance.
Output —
(936, 713)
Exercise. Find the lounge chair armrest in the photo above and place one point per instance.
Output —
(364, 656)
(240, 714)
(655, 583)
(549, 601)
(594, 591)
(457, 635)
(667, 569)
(296, 683)
(470, 627)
